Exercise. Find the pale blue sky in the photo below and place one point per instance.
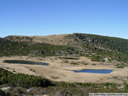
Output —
(46, 17)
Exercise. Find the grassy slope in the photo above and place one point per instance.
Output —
(94, 46)
(100, 47)
(10, 48)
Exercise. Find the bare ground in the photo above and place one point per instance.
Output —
(61, 69)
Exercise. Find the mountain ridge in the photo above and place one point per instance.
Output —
(96, 47)
(63, 34)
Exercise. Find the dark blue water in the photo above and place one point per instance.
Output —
(100, 71)
(25, 62)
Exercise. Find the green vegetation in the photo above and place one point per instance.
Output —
(21, 80)
(117, 44)
(10, 48)
(125, 86)
(120, 66)
(74, 63)
(100, 47)
(96, 58)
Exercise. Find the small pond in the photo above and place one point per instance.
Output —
(25, 62)
(98, 71)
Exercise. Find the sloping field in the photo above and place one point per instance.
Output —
(62, 69)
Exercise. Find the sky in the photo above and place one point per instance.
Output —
(50, 17)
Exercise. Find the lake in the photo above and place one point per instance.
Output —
(25, 62)
(98, 71)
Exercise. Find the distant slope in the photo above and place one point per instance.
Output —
(98, 48)
(12, 48)
(66, 39)
(117, 44)
(101, 47)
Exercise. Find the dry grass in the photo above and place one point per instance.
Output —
(58, 71)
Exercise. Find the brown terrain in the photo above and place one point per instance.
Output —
(64, 39)
(60, 69)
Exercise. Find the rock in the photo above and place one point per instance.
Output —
(59, 94)
(41, 95)
(68, 94)
(44, 92)
(5, 88)
(45, 95)
(31, 90)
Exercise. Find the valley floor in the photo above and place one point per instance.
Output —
(61, 69)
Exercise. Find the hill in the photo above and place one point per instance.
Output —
(95, 47)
